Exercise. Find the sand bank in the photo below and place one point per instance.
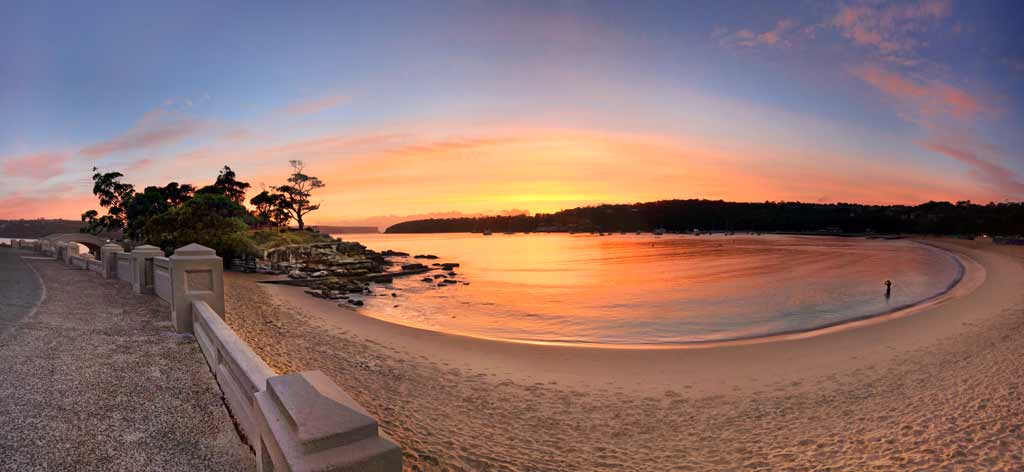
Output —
(936, 386)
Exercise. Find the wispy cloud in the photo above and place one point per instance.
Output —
(155, 129)
(889, 29)
(781, 35)
(315, 105)
(1002, 179)
(39, 166)
(922, 99)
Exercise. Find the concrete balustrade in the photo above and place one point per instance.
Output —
(95, 266)
(197, 273)
(142, 268)
(79, 262)
(162, 278)
(294, 422)
(124, 267)
(71, 249)
(108, 256)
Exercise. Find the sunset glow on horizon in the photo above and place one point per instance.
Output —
(426, 109)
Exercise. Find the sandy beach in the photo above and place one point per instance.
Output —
(936, 388)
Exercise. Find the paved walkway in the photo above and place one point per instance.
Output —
(96, 379)
(20, 289)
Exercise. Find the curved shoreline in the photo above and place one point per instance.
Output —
(708, 368)
(961, 260)
(934, 391)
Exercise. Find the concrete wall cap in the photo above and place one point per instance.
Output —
(147, 248)
(114, 246)
(193, 250)
(320, 412)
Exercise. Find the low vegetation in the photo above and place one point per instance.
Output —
(175, 214)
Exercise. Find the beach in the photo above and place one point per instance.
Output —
(933, 388)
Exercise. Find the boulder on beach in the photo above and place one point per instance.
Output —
(424, 256)
(297, 274)
(427, 279)
(413, 266)
(449, 265)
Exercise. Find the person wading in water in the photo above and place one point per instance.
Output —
(888, 288)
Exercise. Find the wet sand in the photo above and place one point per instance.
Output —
(932, 389)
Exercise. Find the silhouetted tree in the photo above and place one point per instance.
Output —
(297, 192)
(227, 185)
(113, 195)
(270, 209)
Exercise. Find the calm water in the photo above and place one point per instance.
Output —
(641, 289)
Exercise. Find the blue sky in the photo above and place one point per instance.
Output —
(482, 107)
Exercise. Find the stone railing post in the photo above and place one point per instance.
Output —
(60, 248)
(108, 255)
(142, 267)
(197, 273)
(308, 423)
(71, 250)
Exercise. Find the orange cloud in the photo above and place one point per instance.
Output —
(40, 166)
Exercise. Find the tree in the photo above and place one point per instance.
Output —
(227, 185)
(270, 209)
(297, 192)
(151, 202)
(113, 195)
(213, 220)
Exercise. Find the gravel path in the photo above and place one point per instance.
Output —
(97, 380)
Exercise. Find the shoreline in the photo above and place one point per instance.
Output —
(961, 261)
(577, 364)
(937, 389)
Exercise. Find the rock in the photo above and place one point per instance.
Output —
(450, 265)
(427, 279)
(391, 253)
(450, 281)
(322, 273)
(424, 256)
(452, 274)
(414, 266)
(440, 276)
(394, 294)
(297, 274)
(355, 302)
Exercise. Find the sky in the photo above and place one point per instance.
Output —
(427, 108)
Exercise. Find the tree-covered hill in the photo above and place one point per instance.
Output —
(687, 215)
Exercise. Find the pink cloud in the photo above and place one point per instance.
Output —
(778, 36)
(1000, 178)
(927, 99)
(888, 29)
(157, 128)
(37, 166)
(314, 106)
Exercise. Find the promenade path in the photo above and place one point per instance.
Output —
(96, 379)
